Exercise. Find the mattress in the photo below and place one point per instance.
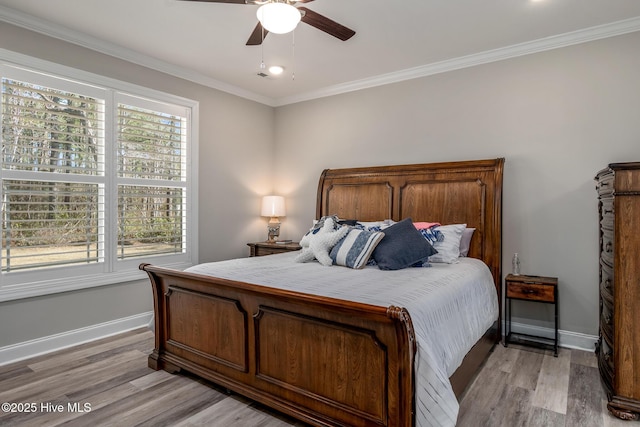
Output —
(451, 307)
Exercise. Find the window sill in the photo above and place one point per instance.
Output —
(32, 289)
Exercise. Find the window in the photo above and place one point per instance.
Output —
(94, 181)
(151, 182)
(52, 141)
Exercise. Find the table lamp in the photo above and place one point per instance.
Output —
(273, 207)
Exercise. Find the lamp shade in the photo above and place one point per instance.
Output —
(273, 206)
(278, 18)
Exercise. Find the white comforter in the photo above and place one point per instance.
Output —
(451, 306)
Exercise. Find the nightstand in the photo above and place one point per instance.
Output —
(535, 289)
(269, 248)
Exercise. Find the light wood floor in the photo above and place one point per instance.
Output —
(516, 387)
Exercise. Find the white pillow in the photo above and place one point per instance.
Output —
(449, 248)
(465, 241)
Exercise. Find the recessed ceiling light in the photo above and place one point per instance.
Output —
(276, 70)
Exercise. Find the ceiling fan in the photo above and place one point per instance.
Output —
(307, 16)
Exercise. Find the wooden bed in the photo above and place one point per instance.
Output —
(289, 350)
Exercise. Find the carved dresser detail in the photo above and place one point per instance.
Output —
(618, 347)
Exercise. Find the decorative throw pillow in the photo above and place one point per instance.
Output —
(319, 241)
(431, 234)
(449, 248)
(465, 241)
(424, 225)
(355, 248)
(401, 247)
(375, 225)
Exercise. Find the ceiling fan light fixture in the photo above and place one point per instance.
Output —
(276, 70)
(278, 18)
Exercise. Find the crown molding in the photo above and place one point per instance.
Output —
(29, 22)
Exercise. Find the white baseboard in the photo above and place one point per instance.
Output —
(566, 339)
(24, 350)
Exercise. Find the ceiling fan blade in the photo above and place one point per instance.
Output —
(257, 36)
(325, 24)
(221, 1)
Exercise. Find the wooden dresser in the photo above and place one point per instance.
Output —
(618, 347)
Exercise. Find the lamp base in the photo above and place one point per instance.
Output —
(274, 229)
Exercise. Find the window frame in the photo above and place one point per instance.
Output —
(30, 283)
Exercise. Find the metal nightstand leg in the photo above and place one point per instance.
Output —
(555, 347)
(507, 332)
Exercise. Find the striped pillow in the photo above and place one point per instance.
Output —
(355, 248)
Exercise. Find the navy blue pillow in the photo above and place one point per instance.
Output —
(402, 246)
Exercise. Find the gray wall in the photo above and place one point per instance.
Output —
(235, 169)
(557, 117)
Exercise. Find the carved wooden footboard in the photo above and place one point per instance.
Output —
(327, 362)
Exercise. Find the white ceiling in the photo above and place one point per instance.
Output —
(395, 40)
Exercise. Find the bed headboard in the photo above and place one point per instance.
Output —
(449, 193)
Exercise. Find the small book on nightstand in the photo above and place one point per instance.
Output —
(283, 242)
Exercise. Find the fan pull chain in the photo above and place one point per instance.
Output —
(262, 66)
(293, 54)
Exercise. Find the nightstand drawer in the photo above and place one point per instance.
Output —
(261, 250)
(531, 291)
(269, 248)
